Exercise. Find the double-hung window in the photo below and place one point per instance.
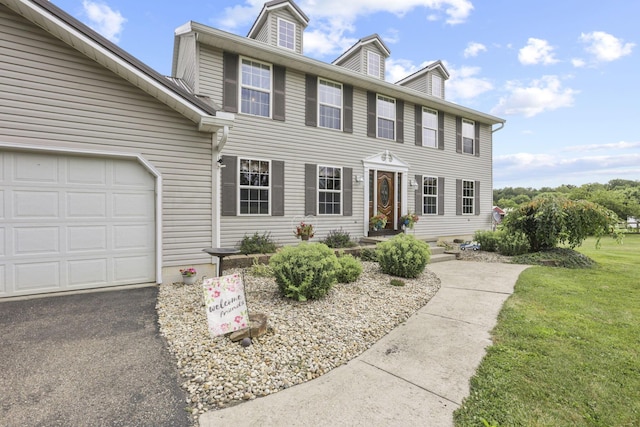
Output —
(436, 85)
(373, 64)
(468, 136)
(286, 34)
(468, 197)
(255, 88)
(386, 110)
(330, 104)
(429, 128)
(329, 190)
(429, 195)
(254, 187)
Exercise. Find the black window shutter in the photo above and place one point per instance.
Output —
(440, 130)
(311, 100)
(476, 191)
(418, 194)
(277, 188)
(347, 191)
(229, 178)
(458, 134)
(400, 121)
(477, 142)
(440, 195)
(418, 125)
(458, 197)
(279, 77)
(310, 189)
(371, 114)
(347, 94)
(230, 78)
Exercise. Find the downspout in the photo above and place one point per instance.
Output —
(216, 160)
(496, 130)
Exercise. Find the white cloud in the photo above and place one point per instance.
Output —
(473, 49)
(536, 51)
(465, 85)
(605, 47)
(398, 69)
(545, 94)
(333, 20)
(104, 20)
(578, 62)
(622, 145)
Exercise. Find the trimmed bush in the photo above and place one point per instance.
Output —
(488, 239)
(339, 239)
(396, 282)
(257, 244)
(350, 268)
(306, 271)
(368, 254)
(513, 243)
(403, 256)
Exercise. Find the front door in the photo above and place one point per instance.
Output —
(385, 197)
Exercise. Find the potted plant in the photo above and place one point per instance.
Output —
(378, 221)
(304, 231)
(409, 220)
(188, 275)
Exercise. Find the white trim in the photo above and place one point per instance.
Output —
(295, 34)
(429, 111)
(369, 56)
(422, 195)
(473, 198)
(378, 117)
(240, 186)
(113, 154)
(473, 138)
(439, 86)
(331, 105)
(318, 166)
(257, 88)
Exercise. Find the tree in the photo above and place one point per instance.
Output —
(550, 220)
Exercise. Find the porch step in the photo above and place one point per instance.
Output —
(441, 257)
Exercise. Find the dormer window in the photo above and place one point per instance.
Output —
(373, 64)
(436, 85)
(286, 34)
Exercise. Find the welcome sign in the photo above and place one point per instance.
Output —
(225, 304)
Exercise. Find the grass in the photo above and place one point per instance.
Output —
(566, 347)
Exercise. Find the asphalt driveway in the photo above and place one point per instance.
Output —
(91, 359)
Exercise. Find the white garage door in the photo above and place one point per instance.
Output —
(74, 222)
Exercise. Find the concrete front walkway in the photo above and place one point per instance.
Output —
(416, 375)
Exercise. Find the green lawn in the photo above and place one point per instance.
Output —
(566, 348)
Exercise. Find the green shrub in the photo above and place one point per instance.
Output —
(513, 243)
(257, 244)
(488, 239)
(368, 254)
(306, 271)
(396, 282)
(339, 239)
(260, 270)
(403, 256)
(350, 268)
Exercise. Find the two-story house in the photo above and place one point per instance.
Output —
(334, 143)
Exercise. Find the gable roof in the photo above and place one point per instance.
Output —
(88, 42)
(277, 4)
(425, 70)
(373, 38)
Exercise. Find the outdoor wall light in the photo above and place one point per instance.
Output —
(413, 182)
(358, 178)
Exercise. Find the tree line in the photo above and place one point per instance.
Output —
(618, 195)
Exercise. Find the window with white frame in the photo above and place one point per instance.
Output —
(286, 34)
(329, 190)
(386, 111)
(330, 104)
(254, 187)
(429, 195)
(468, 197)
(436, 85)
(373, 64)
(468, 136)
(255, 88)
(429, 128)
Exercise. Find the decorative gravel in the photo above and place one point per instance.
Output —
(304, 340)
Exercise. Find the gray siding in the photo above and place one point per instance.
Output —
(353, 62)
(186, 68)
(296, 144)
(53, 96)
(419, 84)
(264, 35)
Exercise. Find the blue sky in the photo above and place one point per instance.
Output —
(564, 74)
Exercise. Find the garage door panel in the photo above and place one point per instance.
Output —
(3, 241)
(35, 168)
(86, 238)
(131, 175)
(132, 205)
(35, 204)
(37, 276)
(2, 204)
(85, 272)
(87, 172)
(37, 240)
(3, 280)
(131, 268)
(127, 237)
(86, 205)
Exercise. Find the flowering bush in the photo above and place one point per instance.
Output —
(304, 230)
(409, 220)
(188, 272)
(378, 221)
